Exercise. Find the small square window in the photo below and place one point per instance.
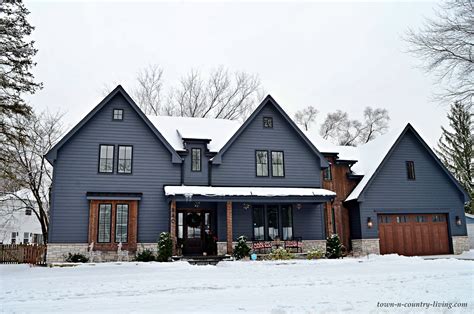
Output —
(118, 114)
(28, 212)
(410, 170)
(267, 122)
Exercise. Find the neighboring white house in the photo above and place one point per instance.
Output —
(18, 223)
(470, 229)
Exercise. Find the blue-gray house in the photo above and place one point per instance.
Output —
(123, 177)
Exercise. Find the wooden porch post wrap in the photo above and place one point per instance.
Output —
(173, 224)
(229, 227)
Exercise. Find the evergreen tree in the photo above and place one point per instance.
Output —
(241, 249)
(333, 247)
(455, 147)
(16, 60)
(165, 247)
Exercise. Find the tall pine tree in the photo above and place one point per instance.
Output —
(455, 147)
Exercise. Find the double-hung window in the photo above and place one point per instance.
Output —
(106, 159)
(410, 170)
(261, 158)
(195, 159)
(105, 216)
(121, 223)
(273, 222)
(125, 159)
(278, 165)
(287, 222)
(258, 222)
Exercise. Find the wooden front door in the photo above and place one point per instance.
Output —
(414, 234)
(196, 231)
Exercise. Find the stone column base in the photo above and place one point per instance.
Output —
(362, 247)
(314, 245)
(460, 244)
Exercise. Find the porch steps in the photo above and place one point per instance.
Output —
(202, 260)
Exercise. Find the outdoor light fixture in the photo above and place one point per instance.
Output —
(246, 206)
(369, 222)
(298, 206)
(197, 204)
(458, 221)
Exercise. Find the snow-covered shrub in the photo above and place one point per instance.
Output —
(145, 256)
(280, 254)
(76, 258)
(334, 247)
(315, 254)
(241, 250)
(165, 247)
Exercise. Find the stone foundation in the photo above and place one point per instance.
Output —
(460, 244)
(362, 247)
(307, 246)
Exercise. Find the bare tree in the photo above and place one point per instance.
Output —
(148, 92)
(445, 46)
(375, 123)
(24, 165)
(333, 124)
(306, 117)
(349, 133)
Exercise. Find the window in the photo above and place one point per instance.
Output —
(327, 173)
(37, 238)
(26, 238)
(180, 226)
(383, 219)
(333, 220)
(268, 122)
(402, 219)
(125, 159)
(105, 213)
(262, 163)
(121, 223)
(410, 170)
(14, 237)
(278, 167)
(196, 159)
(273, 222)
(118, 114)
(287, 222)
(258, 222)
(438, 218)
(28, 212)
(420, 219)
(106, 159)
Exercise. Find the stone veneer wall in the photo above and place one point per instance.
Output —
(460, 244)
(307, 245)
(365, 246)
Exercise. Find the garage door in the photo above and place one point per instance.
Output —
(422, 234)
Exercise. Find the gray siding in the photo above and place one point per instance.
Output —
(76, 172)
(194, 177)
(302, 166)
(392, 192)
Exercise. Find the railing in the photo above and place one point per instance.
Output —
(22, 254)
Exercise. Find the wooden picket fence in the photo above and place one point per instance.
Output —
(22, 254)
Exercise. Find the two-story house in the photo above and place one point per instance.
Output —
(123, 177)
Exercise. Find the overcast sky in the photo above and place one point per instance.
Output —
(330, 55)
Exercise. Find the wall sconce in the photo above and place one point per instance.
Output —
(458, 221)
(246, 206)
(369, 223)
(197, 204)
(299, 206)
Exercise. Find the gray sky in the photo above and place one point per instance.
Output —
(330, 55)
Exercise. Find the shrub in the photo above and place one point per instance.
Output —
(315, 254)
(280, 254)
(145, 256)
(333, 247)
(241, 249)
(76, 258)
(165, 247)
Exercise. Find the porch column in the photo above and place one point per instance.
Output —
(229, 226)
(173, 224)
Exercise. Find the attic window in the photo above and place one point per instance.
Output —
(268, 122)
(410, 170)
(118, 114)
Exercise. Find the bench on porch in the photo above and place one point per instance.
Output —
(294, 245)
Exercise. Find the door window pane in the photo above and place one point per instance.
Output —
(287, 222)
(105, 213)
(193, 221)
(258, 222)
(121, 223)
(273, 222)
(180, 225)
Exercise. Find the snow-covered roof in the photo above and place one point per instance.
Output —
(244, 191)
(325, 146)
(174, 129)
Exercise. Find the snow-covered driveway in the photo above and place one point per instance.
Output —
(293, 286)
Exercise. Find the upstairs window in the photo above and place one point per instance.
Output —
(106, 159)
(278, 166)
(118, 114)
(410, 170)
(125, 159)
(261, 158)
(327, 173)
(268, 122)
(196, 159)
(28, 212)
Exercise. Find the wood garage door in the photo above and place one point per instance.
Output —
(414, 234)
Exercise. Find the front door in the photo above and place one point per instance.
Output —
(195, 228)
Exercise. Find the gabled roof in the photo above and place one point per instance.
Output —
(269, 100)
(373, 156)
(52, 154)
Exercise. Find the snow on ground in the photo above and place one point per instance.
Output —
(354, 285)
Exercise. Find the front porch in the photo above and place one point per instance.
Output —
(208, 220)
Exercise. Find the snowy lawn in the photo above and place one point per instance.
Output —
(354, 285)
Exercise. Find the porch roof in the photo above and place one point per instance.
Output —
(231, 192)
